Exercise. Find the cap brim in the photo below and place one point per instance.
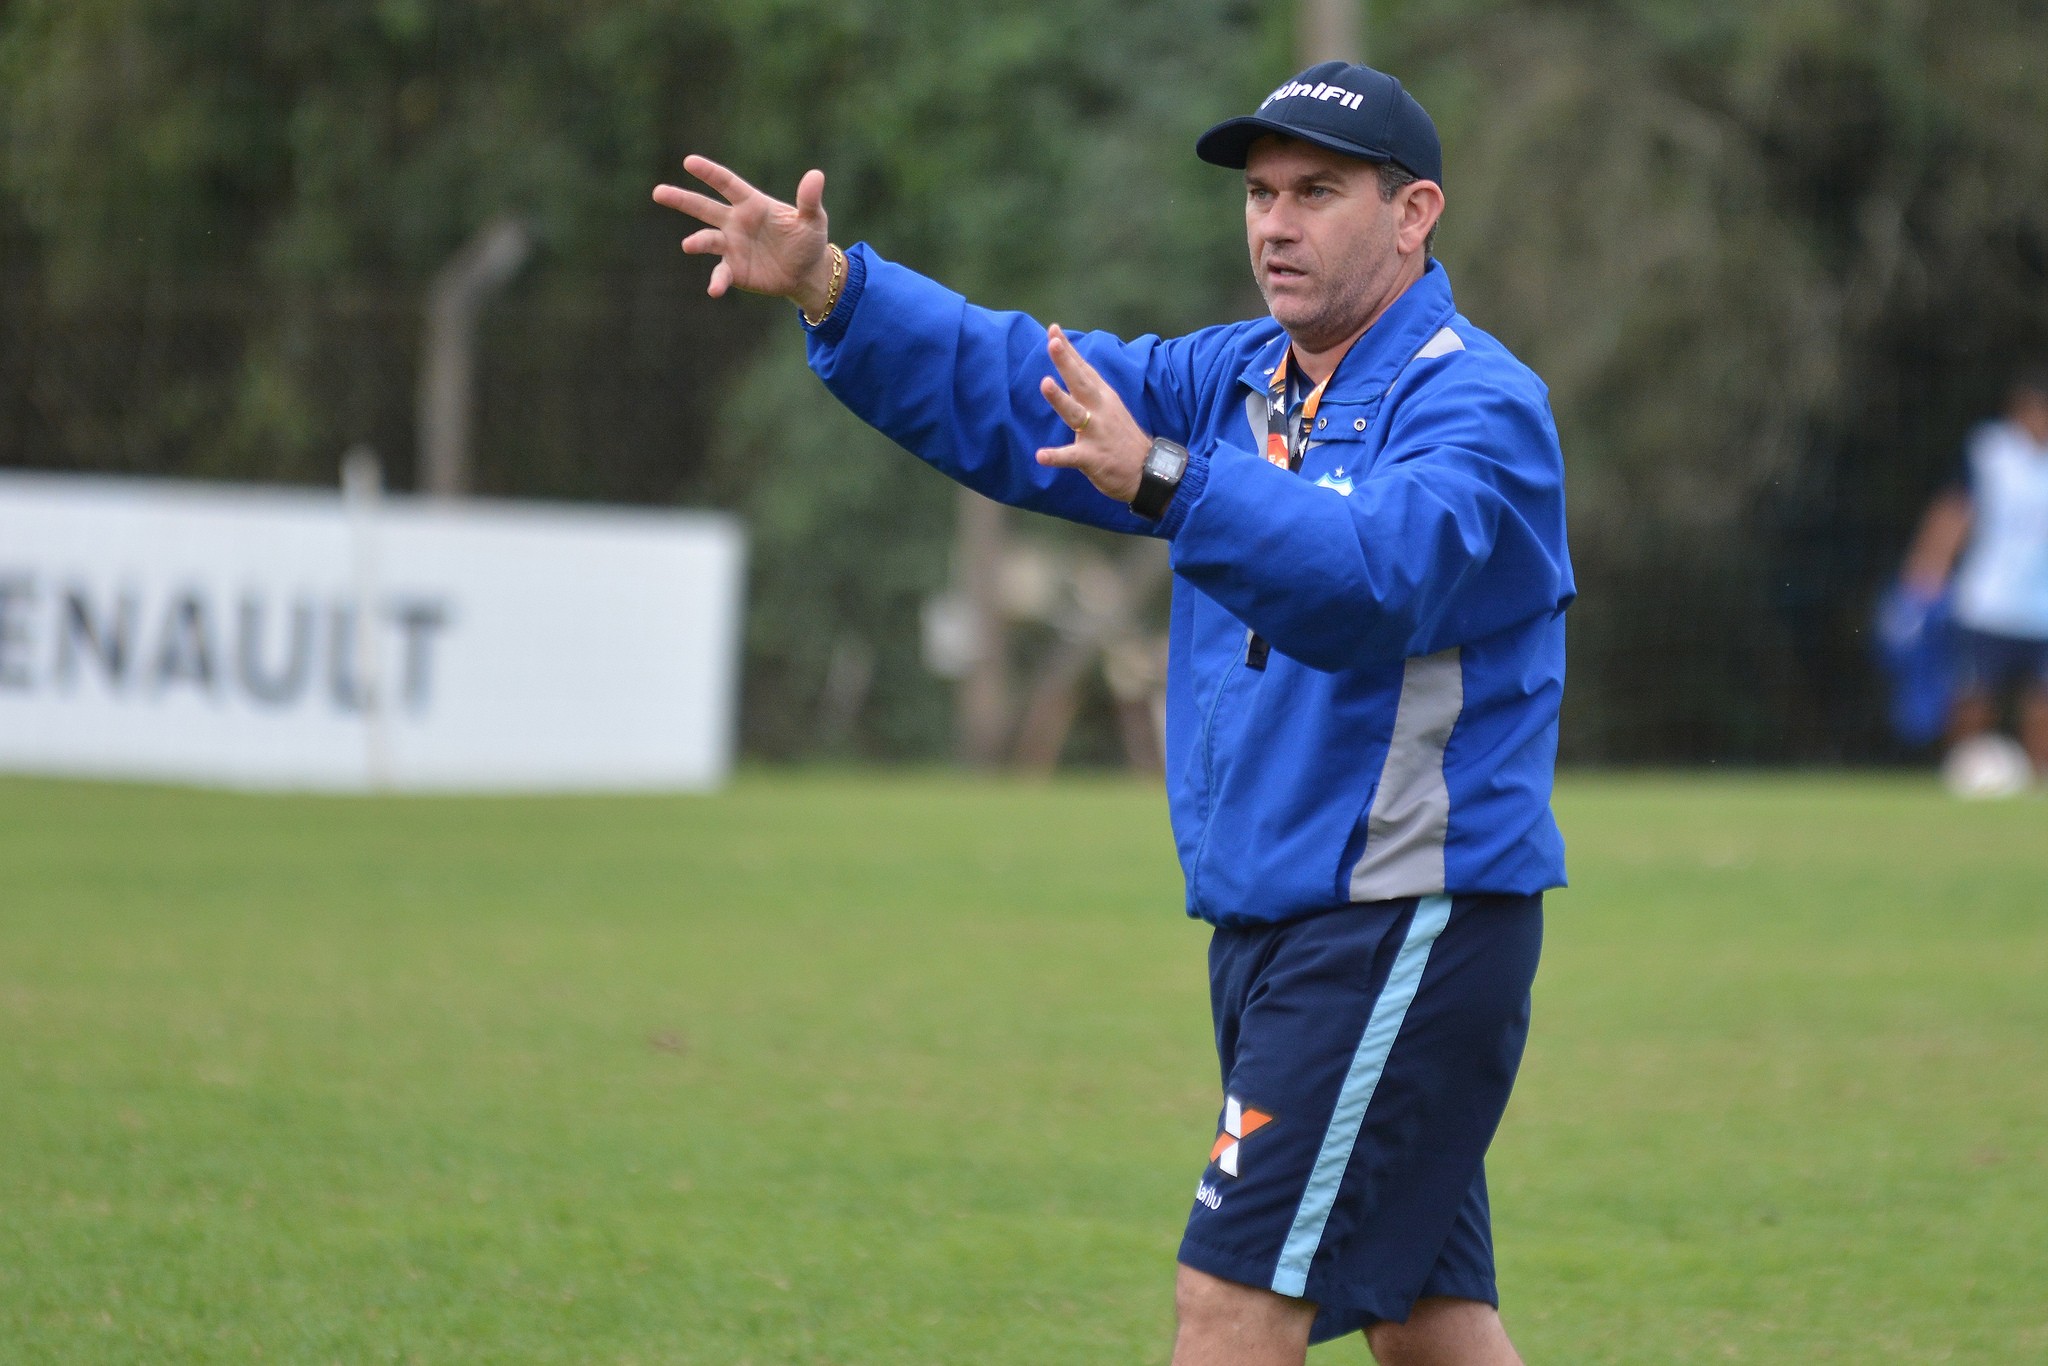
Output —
(1229, 143)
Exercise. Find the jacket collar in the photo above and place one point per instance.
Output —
(1376, 359)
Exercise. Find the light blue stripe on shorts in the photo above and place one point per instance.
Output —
(1290, 1276)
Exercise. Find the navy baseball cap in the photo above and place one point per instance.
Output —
(1350, 109)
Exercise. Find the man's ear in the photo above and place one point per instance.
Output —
(1422, 204)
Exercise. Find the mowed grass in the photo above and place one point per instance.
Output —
(857, 1069)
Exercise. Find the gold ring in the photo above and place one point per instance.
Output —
(1086, 418)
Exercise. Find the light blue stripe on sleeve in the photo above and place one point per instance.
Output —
(1290, 1276)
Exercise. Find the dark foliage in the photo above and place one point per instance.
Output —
(1773, 260)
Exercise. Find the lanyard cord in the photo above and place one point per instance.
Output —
(1285, 448)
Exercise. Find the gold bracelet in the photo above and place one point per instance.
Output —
(832, 289)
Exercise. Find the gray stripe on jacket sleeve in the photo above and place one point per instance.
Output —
(1411, 810)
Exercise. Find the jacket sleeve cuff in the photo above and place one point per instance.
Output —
(1192, 481)
(835, 323)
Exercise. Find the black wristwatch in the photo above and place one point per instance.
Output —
(1165, 463)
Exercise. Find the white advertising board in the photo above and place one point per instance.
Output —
(212, 634)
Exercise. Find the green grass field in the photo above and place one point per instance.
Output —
(916, 1070)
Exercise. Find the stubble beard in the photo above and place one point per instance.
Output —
(1321, 323)
(1335, 312)
(1332, 319)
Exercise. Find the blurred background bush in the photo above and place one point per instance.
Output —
(1773, 259)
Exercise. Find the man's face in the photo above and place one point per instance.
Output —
(1326, 249)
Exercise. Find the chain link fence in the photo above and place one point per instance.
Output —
(1743, 641)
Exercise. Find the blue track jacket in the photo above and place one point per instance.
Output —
(1411, 579)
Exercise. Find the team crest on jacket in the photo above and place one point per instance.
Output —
(1240, 1122)
(1338, 481)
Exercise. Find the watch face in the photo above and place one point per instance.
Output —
(1166, 460)
(1165, 463)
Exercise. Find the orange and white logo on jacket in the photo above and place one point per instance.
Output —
(1240, 1122)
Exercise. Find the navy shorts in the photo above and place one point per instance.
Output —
(1992, 663)
(1367, 1057)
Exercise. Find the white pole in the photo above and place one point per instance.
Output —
(486, 264)
(362, 493)
(1329, 31)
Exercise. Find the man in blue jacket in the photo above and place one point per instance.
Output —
(1364, 499)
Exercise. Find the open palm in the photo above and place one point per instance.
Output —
(764, 246)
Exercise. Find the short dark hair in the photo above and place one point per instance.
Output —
(1392, 178)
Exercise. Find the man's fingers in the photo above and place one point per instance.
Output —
(810, 194)
(1066, 457)
(1078, 373)
(718, 177)
(721, 280)
(705, 242)
(1071, 410)
(703, 208)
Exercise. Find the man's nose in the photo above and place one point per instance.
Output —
(1278, 223)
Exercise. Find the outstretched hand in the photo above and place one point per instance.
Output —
(764, 246)
(1107, 446)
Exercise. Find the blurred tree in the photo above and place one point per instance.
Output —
(1037, 158)
(263, 191)
(1771, 257)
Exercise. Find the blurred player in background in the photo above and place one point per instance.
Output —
(1985, 540)
(1364, 497)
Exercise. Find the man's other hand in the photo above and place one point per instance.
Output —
(764, 246)
(1108, 447)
